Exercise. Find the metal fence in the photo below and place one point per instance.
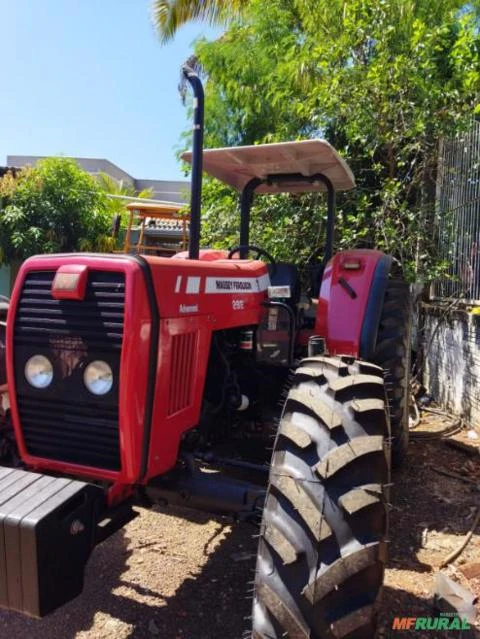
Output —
(458, 217)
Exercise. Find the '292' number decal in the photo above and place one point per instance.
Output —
(238, 305)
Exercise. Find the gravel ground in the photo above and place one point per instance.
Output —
(175, 574)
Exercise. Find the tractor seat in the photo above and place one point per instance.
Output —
(286, 275)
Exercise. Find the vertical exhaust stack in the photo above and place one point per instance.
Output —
(197, 159)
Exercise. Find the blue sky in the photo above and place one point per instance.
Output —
(89, 78)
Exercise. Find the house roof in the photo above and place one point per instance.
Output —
(153, 209)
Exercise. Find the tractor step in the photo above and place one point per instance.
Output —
(208, 491)
(47, 532)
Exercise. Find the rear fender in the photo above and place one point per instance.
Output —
(351, 300)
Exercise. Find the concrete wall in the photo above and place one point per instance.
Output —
(167, 190)
(452, 361)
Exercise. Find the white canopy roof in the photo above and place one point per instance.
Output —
(238, 165)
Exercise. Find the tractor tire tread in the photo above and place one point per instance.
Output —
(322, 540)
(392, 353)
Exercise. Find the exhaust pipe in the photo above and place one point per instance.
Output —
(197, 158)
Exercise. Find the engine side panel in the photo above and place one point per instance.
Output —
(184, 346)
(195, 298)
(350, 299)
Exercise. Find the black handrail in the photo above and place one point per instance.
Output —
(197, 160)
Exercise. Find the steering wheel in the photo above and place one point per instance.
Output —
(258, 252)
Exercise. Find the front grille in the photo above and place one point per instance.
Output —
(65, 422)
(98, 319)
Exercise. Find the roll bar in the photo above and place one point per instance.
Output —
(246, 201)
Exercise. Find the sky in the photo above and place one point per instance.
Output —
(89, 78)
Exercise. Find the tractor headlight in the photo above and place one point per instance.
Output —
(98, 377)
(39, 371)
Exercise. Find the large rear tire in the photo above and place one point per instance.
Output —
(392, 353)
(322, 542)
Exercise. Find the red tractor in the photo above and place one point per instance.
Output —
(144, 379)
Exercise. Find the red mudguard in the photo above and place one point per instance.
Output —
(351, 300)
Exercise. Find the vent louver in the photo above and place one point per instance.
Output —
(181, 381)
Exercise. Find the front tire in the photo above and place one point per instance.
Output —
(322, 546)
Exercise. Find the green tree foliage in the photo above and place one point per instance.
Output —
(54, 207)
(383, 81)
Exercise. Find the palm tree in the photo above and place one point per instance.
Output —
(169, 15)
(117, 205)
(117, 191)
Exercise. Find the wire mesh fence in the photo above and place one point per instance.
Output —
(458, 217)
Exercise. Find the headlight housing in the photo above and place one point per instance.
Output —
(98, 377)
(39, 371)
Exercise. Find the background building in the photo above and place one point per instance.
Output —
(165, 190)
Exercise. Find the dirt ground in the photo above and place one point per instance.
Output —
(176, 574)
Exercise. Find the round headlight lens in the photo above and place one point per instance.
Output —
(39, 371)
(98, 377)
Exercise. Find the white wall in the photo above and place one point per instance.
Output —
(452, 366)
